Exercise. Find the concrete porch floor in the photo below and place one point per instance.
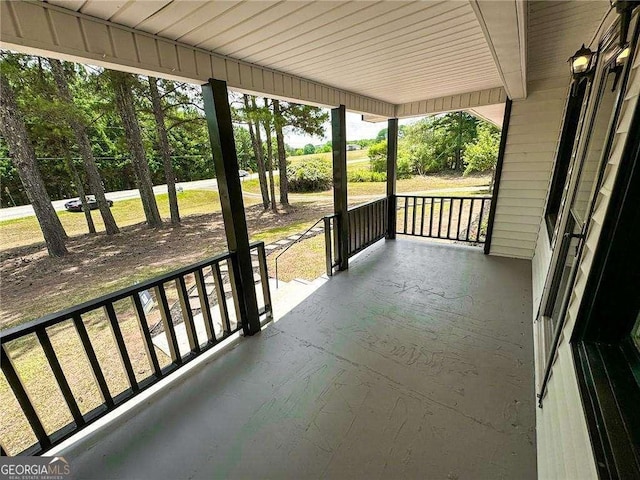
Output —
(415, 363)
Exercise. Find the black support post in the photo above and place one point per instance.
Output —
(218, 113)
(392, 161)
(497, 175)
(339, 142)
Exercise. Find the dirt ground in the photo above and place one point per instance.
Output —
(34, 284)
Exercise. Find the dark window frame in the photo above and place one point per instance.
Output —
(564, 155)
(607, 361)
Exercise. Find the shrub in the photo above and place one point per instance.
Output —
(378, 156)
(366, 176)
(403, 169)
(313, 174)
(482, 154)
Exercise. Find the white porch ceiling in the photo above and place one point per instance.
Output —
(397, 52)
(380, 58)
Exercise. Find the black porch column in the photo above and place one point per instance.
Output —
(339, 142)
(392, 161)
(497, 175)
(218, 113)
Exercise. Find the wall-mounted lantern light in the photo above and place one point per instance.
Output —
(582, 62)
(617, 67)
(622, 57)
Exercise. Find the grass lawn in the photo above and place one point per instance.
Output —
(415, 184)
(305, 260)
(26, 231)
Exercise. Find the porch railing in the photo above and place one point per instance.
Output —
(450, 218)
(156, 327)
(367, 224)
(331, 244)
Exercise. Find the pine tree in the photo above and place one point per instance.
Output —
(62, 77)
(14, 131)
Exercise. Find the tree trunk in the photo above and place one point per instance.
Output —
(258, 151)
(272, 185)
(282, 154)
(84, 146)
(15, 133)
(124, 100)
(82, 195)
(165, 152)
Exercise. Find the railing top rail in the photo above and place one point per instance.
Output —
(467, 197)
(6, 335)
(362, 205)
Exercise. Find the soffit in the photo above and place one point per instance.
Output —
(397, 51)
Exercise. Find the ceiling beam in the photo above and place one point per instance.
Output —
(504, 25)
(40, 28)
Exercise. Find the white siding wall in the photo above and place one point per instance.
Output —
(564, 450)
(534, 129)
(540, 266)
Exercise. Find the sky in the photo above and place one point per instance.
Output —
(356, 130)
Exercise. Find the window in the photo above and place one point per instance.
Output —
(606, 340)
(605, 344)
(563, 157)
(588, 176)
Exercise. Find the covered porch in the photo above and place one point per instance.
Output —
(416, 362)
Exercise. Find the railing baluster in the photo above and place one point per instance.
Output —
(222, 299)
(469, 220)
(337, 254)
(374, 220)
(264, 280)
(422, 217)
(440, 218)
(23, 399)
(122, 348)
(431, 219)
(449, 222)
(187, 314)
(385, 215)
(167, 323)
(93, 360)
(406, 212)
(233, 270)
(60, 377)
(367, 225)
(354, 230)
(375, 215)
(201, 286)
(413, 217)
(363, 227)
(480, 220)
(459, 218)
(328, 255)
(146, 334)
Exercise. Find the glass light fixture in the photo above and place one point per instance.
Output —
(582, 62)
(622, 57)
